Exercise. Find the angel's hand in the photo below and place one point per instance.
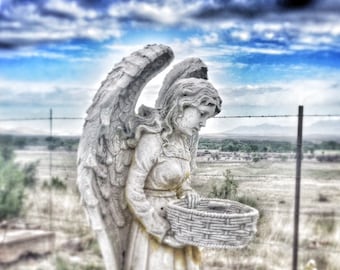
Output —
(172, 242)
(192, 198)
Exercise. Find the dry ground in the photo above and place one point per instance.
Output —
(270, 183)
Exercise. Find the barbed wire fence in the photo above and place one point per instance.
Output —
(51, 217)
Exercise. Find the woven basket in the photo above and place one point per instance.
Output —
(214, 223)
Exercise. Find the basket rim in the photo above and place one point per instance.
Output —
(252, 212)
(212, 245)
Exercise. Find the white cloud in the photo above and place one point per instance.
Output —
(55, 21)
(272, 51)
(70, 8)
(30, 52)
(71, 100)
(58, 20)
(241, 35)
(228, 24)
(316, 95)
(203, 46)
(28, 92)
(166, 13)
(269, 26)
(211, 38)
(309, 92)
(322, 28)
(295, 33)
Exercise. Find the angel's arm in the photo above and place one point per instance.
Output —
(184, 188)
(146, 154)
(186, 191)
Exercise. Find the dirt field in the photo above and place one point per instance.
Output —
(271, 184)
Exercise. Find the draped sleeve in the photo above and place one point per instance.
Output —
(146, 154)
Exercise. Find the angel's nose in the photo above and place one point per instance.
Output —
(203, 122)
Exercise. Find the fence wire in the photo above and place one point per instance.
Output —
(217, 117)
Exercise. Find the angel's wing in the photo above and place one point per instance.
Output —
(104, 152)
(188, 68)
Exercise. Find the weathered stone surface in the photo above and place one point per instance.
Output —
(17, 243)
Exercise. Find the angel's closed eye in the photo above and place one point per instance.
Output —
(203, 114)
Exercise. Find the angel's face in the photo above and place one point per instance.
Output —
(194, 118)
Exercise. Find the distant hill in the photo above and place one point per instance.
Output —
(24, 131)
(329, 127)
(325, 127)
(263, 130)
(319, 131)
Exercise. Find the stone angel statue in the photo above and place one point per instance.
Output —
(130, 165)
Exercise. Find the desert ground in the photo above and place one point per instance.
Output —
(270, 183)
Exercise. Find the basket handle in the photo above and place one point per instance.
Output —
(217, 205)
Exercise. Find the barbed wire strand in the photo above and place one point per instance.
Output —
(39, 119)
(218, 117)
(276, 116)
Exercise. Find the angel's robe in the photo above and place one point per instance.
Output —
(157, 176)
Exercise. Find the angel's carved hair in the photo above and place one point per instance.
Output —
(184, 93)
(181, 94)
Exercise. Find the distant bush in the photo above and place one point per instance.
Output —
(64, 264)
(13, 180)
(328, 158)
(247, 200)
(253, 146)
(247, 146)
(56, 183)
(323, 198)
(229, 190)
(61, 264)
(330, 145)
(283, 158)
(6, 152)
(326, 224)
(11, 188)
(256, 159)
(30, 172)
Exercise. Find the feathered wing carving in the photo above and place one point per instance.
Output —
(106, 148)
(188, 68)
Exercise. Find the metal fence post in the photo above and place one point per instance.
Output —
(297, 189)
(50, 171)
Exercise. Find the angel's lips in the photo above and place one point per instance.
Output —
(196, 129)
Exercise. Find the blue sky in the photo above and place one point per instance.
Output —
(264, 57)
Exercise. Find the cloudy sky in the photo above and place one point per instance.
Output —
(264, 56)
